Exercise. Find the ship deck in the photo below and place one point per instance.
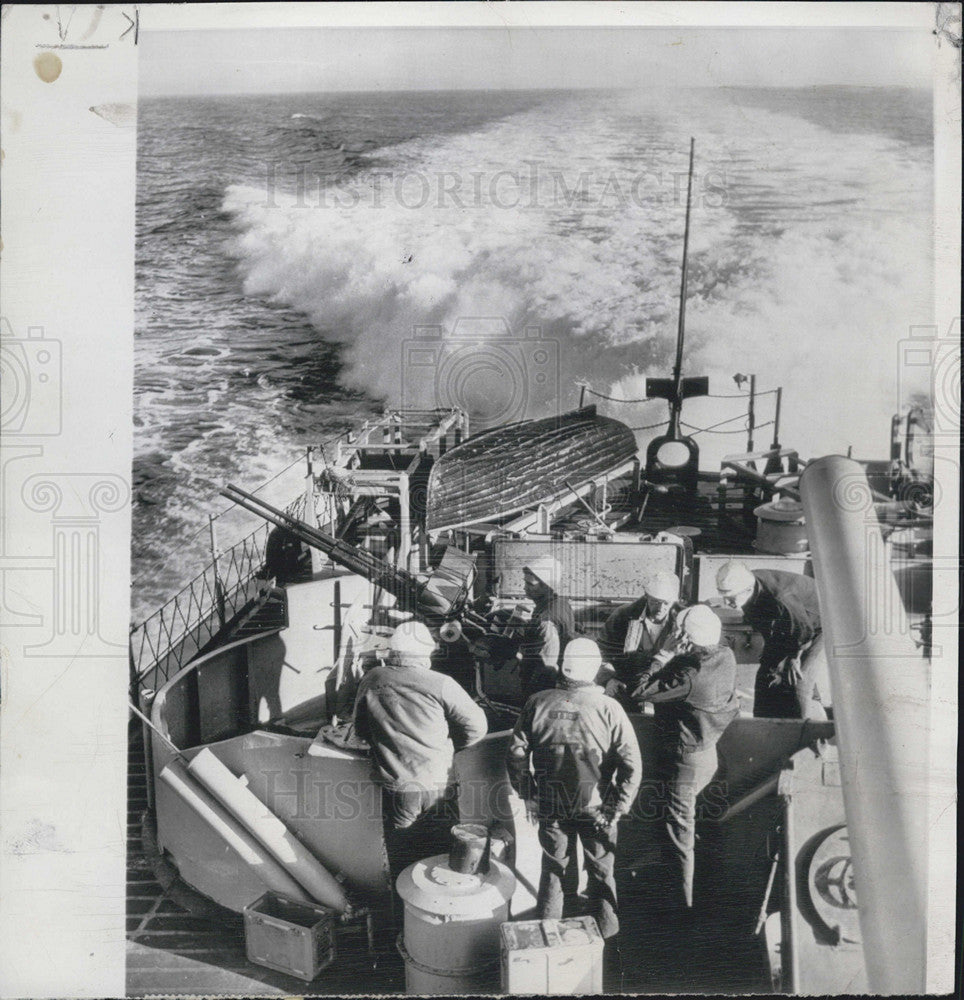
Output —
(181, 944)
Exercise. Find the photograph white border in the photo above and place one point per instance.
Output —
(67, 270)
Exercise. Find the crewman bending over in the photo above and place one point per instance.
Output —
(546, 634)
(585, 772)
(694, 697)
(639, 635)
(784, 608)
(415, 719)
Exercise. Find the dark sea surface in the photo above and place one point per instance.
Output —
(289, 248)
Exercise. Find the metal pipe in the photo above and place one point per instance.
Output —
(164, 739)
(789, 914)
(767, 892)
(258, 820)
(227, 827)
(878, 680)
(751, 415)
(776, 418)
(586, 505)
(761, 791)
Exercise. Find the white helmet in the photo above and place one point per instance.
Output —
(546, 569)
(701, 625)
(412, 642)
(734, 578)
(581, 660)
(663, 587)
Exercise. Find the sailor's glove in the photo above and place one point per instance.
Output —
(615, 688)
(604, 821)
(479, 649)
(640, 685)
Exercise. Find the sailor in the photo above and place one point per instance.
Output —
(639, 635)
(546, 634)
(414, 720)
(784, 608)
(550, 629)
(585, 772)
(694, 698)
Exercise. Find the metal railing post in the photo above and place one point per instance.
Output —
(310, 486)
(218, 586)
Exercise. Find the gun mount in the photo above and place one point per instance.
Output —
(440, 600)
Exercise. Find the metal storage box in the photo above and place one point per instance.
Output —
(552, 956)
(289, 936)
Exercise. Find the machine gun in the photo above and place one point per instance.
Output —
(442, 600)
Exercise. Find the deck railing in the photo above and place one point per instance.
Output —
(173, 635)
(169, 638)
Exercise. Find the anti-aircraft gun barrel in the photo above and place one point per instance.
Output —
(441, 598)
(403, 585)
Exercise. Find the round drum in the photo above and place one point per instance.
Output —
(451, 938)
(780, 528)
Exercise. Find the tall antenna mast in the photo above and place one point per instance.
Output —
(673, 457)
(676, 403)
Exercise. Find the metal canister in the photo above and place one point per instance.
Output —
(781, 528)
(450, 943)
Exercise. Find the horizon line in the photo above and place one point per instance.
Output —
(539, 90)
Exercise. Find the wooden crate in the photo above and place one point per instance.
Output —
(552, 957)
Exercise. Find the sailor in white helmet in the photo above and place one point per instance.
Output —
(694, 696)
(542, 639)
(574, 758)
(414, 720)
(639, 636)
(785, 609)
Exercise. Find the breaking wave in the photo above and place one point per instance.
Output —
(809, 260)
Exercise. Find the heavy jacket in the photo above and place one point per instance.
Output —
(415, 719)
(785, 610)
(612, 639)
(694, 697)
(541, 644)
(547, 634)
(583, 751)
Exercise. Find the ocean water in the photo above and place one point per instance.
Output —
(304, 260)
